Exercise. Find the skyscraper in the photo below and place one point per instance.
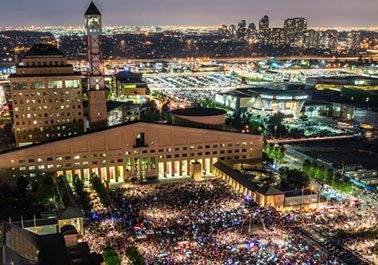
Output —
(264, 31)
(353, 40)
(294, 29)
(46, 97)
(242, 30)
(232, 30)
(96, 81)
(252, 31)
(264, 24)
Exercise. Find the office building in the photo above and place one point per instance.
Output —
(242, 30)
(131, 87)
(353, 41)
(264, 31)
(46, 97)
(294, 29)
(264, 24)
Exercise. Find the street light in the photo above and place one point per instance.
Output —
(275, 131)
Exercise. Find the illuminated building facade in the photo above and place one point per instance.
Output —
(136, 150)
(46, 97)
(288, 102)
(131, 87)
(96, 80)
(294, 29)
(338, 83)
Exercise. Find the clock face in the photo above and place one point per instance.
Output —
(94, 23)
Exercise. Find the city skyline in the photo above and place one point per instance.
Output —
(192, 13)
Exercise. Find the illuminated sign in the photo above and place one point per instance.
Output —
(129, 86)
(278, 97)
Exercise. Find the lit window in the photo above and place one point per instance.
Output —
(55, 84)
(72, 83)
(37, 84)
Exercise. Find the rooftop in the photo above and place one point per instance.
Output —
(43, 49)
(257, 91)
(296, 193)
(116, 126)
(127, 76)
(198, 112)
(92, 10)
(342, 152)
(269, 191)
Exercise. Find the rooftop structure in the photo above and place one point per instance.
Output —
(92, 10)
(199, 117)
(289, 101)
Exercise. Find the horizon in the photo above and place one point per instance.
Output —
(205, 13)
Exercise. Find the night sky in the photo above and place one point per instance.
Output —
(190, 12)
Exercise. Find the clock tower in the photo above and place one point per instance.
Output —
(98, 115)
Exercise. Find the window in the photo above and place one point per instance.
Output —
(139, 140)
(72, 83)
(37, 84)
(55, 84)
(153, 162)
(19, 85)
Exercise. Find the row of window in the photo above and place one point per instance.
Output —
(120, 160)
(56, 100)
(39, 108)
(130, 164)
(49, 128)
(42, 84)
(40, 122)
(44, 94)
(45, 63)
(43, 136)
(46, 115)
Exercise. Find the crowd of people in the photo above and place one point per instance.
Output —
(198, 223)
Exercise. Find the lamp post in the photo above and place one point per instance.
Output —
(275, 131)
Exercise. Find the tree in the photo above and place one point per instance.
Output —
(165, 108)
(275, 126)
(256, 127)
(134, 256)
(292, 179)
(83, 196)
(101, 191)
(27, 198)
(44, 189)
(111, 257)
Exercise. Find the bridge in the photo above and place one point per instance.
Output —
(319, 237)
(312, 139)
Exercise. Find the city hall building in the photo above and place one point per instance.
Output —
(138, 150)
